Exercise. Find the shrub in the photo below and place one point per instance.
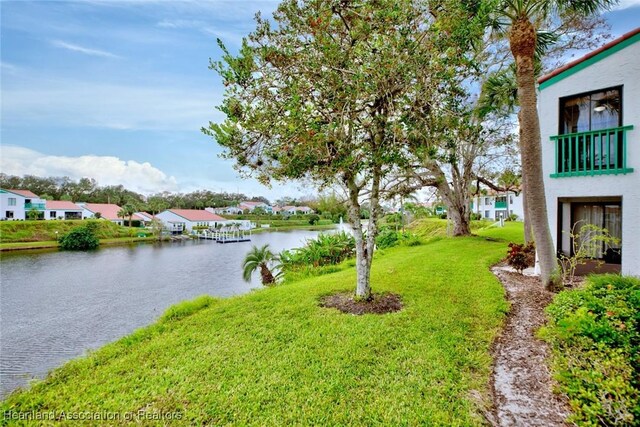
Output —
(79, 239)
(326, 249)
(594, 333)
(521, 256)
(512, 217)
(476, 216)
(388, 238)
(313, 219)
(442, 216)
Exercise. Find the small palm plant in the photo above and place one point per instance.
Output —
(261, 258)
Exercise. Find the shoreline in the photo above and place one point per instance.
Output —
(52, 244)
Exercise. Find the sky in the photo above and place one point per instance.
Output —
(118, 90)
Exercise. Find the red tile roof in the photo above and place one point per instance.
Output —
(25, 193)
(197, 215)
(146, 216)
(107, 210)
(589, 55)
(62, 205)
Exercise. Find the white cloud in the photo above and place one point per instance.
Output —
(81, 49)
(625, 4)
(107, 170)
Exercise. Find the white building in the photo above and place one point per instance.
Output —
(589, 120)
(16, 204)
(496, 205)
(228, 210)
(292, 210)
(108, 211)
(187, 219)
(60, 209)
(251, 206)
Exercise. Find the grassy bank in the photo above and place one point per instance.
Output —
(47, 231)
(274, 357)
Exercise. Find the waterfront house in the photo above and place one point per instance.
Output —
(107, 211)
(495, 205)
(190, 218)
(145, 218)
(589, 122)
(228, 210)
(61, 209)
(292, 210)
(16, 204)
(251, 206)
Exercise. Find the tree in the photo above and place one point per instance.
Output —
(33, 214)
(330, 92)
(128, 210)
(80, 239)
(525, 17)
(259, 258)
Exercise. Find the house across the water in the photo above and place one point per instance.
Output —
(590, 128)
(16, 204)
(187, 219)
(61, 209)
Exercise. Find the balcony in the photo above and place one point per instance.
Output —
(501, 205)
(38, 206)
(598, 152)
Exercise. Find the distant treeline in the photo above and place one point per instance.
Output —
(88, 190)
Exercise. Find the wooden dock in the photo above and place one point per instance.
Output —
(229, 234)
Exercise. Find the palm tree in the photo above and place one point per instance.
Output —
(524, 17)
(259, 258)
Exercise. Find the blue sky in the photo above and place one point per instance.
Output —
(118, 90)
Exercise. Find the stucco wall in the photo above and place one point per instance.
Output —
(620, 68)
(18, 208)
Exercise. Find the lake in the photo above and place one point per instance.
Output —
(57, 305)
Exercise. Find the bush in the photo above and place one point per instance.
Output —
(442, 216)
(521, 256)
(313, 219)
(476, 216)
(326, 249)
(594, 333)
(512, 217)
(80, 239)
(388, 238)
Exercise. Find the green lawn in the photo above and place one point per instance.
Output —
(274, 357)
(47, 231)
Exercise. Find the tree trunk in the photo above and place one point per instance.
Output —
(363, 264)
(523, 42)
(267, 277)
(461, 222)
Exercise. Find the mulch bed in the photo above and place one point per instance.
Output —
(378, 304)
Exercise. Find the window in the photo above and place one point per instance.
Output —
(487, 201)
(594, 139)
(52, 214)
(9, 214)
(510, 200)
(12, 201)
(592, 111)
(486, 214)
(501, 199)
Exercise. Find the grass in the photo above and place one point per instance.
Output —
(47, 231)
(54, 244)
(274, 357)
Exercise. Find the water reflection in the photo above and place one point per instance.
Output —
(56, 305)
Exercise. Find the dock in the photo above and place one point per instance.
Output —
(229, 234)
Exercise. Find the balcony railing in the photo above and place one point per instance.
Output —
(501, 205)
(38, 206)
(598, 152)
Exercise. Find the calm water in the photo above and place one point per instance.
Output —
(56, 305)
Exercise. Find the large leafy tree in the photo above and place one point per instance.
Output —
(333, 91)
(524, 20)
